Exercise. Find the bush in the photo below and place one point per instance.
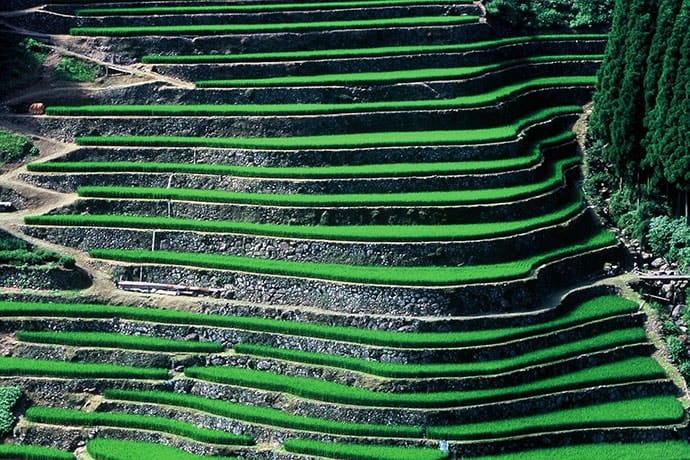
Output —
(14, 147)
(72, 69)
(8, 398)
(676, 349)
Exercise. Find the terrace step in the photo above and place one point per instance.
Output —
(340, 157)
(547, 202)
(475, 251)
(267, 17)
(469, 299)
(444, 354)
(401, 416)
(268, 67)
(529, 168)
(306, 125)
(131, 48)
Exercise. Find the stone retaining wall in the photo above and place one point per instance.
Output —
(504, 112)
(482, 251)
(470, 299)
(43, 278)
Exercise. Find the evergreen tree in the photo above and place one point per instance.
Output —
(673, 145)
(625, 150)
(610, 74)
(657, 121)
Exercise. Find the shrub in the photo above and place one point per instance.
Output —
(72, 69)
(676, 349)
(14, 147)
(8, 398)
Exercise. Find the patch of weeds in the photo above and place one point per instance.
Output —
(14, 147)
(71, 69)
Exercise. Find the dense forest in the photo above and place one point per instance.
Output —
(640, 127)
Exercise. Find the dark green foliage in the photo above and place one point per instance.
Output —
(8, 398)
(676, 349)
(641, 119)
(21, 61)
(550, 14)
(626, 133)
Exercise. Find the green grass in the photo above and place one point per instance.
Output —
(341, 141)
(432, 370)
(117, 449)
(363, 52)
(69, 417)
(379, 275)
(669, 450)
(317, 172)
(391, 76)
(72, 69)
(348, 451)
(117, 340)
(638, 412)
(592, 310)
(265, 416)
(634, 369)
(373, 233)
(45, 368)
(658, 410)
(258, 7)
(18, 452)
(554, 180)
(483, 99)
(225, 29)
(8, 398)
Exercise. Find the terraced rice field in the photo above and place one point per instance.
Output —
(385, 195)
